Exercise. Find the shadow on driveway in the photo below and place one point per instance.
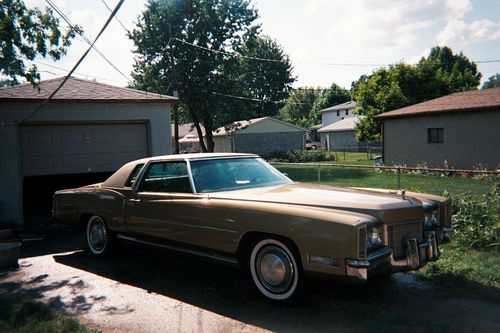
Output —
(401, 302)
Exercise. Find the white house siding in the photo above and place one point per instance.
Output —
(330, 117)
(471, 139)
(156, 116)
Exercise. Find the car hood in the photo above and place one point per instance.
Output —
(385, 207)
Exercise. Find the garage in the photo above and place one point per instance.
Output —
(80, 148)
(85, 133)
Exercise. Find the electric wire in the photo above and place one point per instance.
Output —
(40, 106)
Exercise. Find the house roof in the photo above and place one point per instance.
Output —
(242, 124)
(77, 90)
(347, 105)
(187, 129)
(462, 101)
(346, 124)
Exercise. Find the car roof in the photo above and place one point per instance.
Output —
(197, 156)
(119, 178)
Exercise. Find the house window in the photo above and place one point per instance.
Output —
(338, 113)
(435, 135)
(346, 112)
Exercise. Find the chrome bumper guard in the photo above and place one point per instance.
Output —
(383, 260)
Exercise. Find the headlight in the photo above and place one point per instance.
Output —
(373, 237)
(431, 219)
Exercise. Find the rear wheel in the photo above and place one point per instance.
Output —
(276, 272)
(99, 237)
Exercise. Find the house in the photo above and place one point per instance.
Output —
(461, 130)
(87, 131)
(262, 136)
(341, 135)
(338, 112)
(188, 138)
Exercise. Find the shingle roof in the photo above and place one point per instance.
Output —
(462, 101)
(346, 124)
(76, 90)
(186, 129)
(347, 105)
(241, 124)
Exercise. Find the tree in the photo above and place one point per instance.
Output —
(197, 34)
(386, 89)
(400, 85)
(298, 106)
(329, 97)
(492, 82)
(266, 81)
(28, 33)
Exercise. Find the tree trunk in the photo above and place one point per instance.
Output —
(210, 140)
(200, 136)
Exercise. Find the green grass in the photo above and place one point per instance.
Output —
(435, 184)
(468, 272)
(18, 314)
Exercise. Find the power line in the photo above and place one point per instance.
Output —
(231, 54)
(67, 70)
(235, 54)
(76, 65)
(116, 18)
(85, 38)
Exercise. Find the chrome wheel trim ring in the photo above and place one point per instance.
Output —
(287, 286)
(274, 269)
(97, 235)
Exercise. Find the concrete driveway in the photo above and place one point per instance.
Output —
(149, 290)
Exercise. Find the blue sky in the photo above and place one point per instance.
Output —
(318, 35)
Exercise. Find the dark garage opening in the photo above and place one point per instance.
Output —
(38, 192)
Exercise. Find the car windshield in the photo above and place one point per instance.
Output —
(233, 174)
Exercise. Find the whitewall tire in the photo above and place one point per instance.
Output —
(275, 270)
(98, 236)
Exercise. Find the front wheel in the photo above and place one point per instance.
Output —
(275, 270)
(99, 238)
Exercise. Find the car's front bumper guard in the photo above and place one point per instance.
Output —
(383, 260)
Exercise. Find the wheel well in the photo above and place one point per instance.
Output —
(251, 236)
(83, 219)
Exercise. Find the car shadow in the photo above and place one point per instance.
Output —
(401, 302)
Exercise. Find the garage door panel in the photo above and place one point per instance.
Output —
(67, 149)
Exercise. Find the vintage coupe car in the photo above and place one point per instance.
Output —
(239, 209)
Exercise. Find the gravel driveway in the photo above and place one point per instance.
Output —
(148, 290)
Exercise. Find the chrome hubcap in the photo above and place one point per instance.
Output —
(274, 269)
(97, 234)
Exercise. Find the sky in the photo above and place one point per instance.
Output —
(328, 41)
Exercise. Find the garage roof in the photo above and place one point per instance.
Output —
(462, 101)
(80, 91)
(346, 124)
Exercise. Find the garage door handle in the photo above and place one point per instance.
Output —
(134, 200)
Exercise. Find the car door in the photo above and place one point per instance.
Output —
(150, 210)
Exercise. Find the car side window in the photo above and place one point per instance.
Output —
(166, 177)
(133, 175)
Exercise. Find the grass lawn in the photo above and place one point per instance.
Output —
(18, 314)
(435, 184)
(466, 272)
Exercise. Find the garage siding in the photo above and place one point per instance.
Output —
(76, 148)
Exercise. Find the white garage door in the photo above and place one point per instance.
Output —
(76, 148)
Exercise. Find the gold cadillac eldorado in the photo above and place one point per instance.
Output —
(239, 209)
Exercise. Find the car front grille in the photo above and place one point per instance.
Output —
(398, 233)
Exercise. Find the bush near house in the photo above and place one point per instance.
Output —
(472, 259)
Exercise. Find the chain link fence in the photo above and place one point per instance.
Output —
(428, 180)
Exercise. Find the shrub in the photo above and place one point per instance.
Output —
(301, 156)
(477, 223)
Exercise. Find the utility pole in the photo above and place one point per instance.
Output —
(174, 87)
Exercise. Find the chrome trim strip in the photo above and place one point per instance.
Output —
(386, 251)
(179, 249)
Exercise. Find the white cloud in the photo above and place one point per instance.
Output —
(459, 31)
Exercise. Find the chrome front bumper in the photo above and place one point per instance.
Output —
(382, 260)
